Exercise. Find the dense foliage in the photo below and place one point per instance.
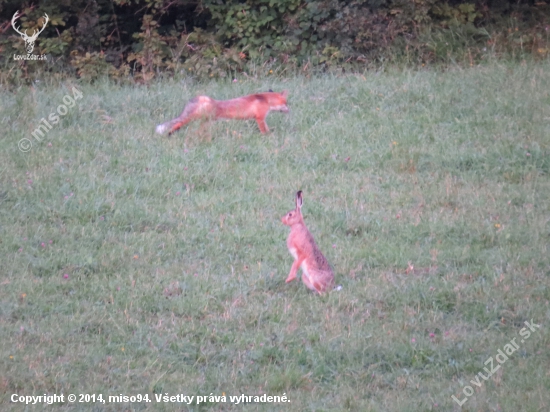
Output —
(215, 37)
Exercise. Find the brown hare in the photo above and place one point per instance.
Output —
(316, 271)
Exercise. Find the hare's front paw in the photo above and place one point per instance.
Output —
(290, 278)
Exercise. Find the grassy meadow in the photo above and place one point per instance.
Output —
(138, 264)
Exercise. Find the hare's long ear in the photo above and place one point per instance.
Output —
(299, 201)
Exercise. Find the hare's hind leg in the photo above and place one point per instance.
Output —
(309, 281)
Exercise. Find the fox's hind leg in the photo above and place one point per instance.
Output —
(204, 129)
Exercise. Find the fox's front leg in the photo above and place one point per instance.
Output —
(294, 270)
(262, 124)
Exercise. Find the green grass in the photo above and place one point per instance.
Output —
(133, 263)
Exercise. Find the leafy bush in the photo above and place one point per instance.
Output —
(214, 38)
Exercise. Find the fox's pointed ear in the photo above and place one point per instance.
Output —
(284, 93)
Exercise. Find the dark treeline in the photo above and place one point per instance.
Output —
(212, 38)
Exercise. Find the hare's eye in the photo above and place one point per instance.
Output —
(290, 214)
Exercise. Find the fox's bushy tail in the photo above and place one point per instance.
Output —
(185, 117)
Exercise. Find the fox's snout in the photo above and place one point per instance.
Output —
(283, 108)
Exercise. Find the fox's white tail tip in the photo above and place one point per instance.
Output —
(337, 288)
(161, 129)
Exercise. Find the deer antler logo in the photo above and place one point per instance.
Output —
(29, 41)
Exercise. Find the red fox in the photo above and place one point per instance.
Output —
(254, 106)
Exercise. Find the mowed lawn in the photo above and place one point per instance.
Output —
(133, 263)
